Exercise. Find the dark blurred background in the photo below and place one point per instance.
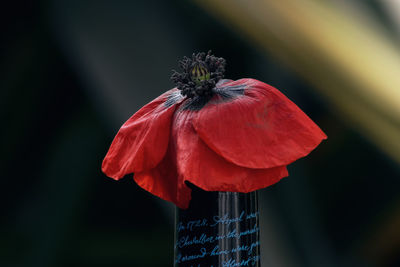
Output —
(73, 71)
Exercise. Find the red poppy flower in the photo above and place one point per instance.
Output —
(218, 134)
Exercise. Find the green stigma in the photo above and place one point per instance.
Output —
(199, 73)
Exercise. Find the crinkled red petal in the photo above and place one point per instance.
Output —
(201, 166)
(142, 141)
(261, 129)
(164, 181)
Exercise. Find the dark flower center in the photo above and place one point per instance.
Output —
(199, 75)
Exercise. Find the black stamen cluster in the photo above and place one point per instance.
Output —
(184, 80)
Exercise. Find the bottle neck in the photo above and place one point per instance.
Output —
(218, 229)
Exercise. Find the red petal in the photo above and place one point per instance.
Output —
(201, 166)
(142, 141)
(261, 129)
(164, 182)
